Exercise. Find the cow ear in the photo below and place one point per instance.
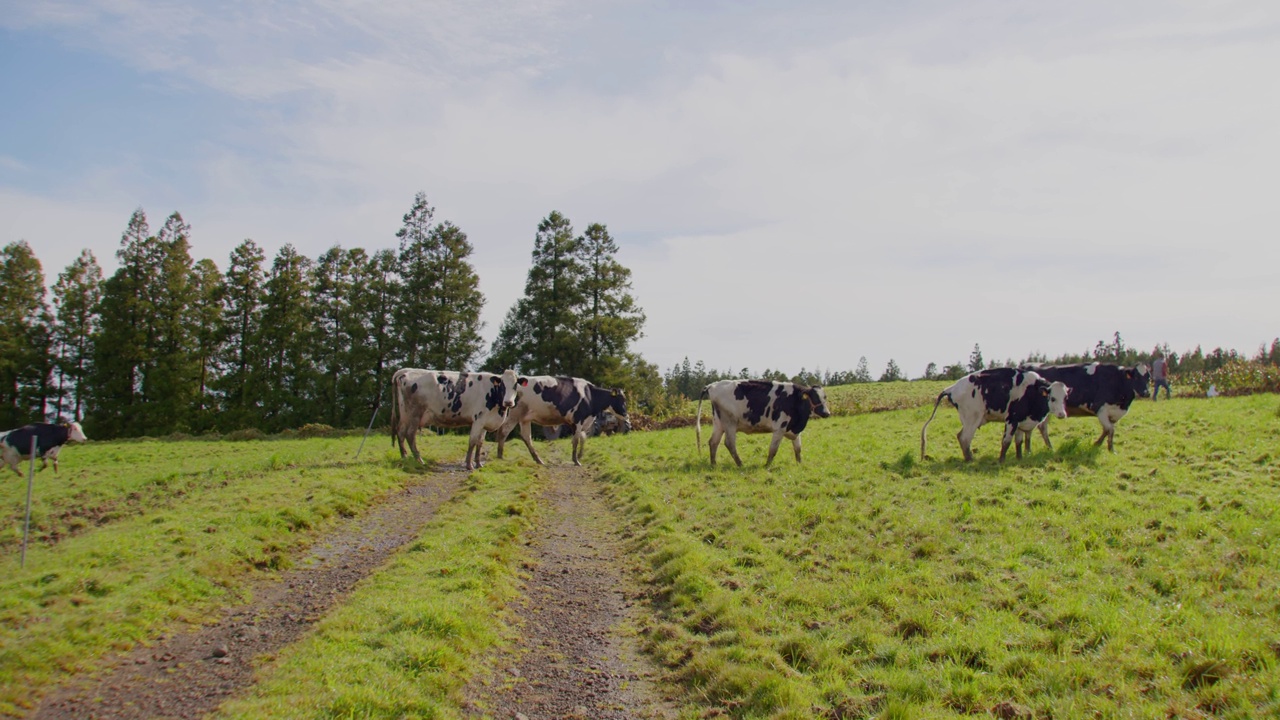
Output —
(524, 381)
(496, 380)
(1129, 373)
(440, 379)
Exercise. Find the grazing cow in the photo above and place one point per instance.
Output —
(479, 400)
(16, 444)
(759, 406)
(1019, 398)
(1103, 390)
(557, 401)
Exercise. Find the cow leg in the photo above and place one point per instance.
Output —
(526, 434)
(795, 444)
(717, 431)
(1044, 433)
(579, 441)
(1108, 431)
(773, 446)
(965, 436)
(413, 445)
(502, 434)
(1009, 433)
(731, 443)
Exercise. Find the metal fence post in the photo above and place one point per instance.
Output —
(31, 478)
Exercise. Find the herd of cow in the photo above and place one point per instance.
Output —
(1022, 398)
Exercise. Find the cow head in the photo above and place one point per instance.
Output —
(818, 399)
(1057, 394)
(1139, 378)
(75, 433)
(508, 381)
(618, 404)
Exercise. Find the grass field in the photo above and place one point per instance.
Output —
(1073, 584)
(865, 583)
(135, 539)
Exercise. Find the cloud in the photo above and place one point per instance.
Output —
(799, 186)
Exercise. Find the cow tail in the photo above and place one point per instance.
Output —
(395, 412)
(697, 422)
(925, 430)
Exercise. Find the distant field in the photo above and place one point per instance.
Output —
(1076, 583)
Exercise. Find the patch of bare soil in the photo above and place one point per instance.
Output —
(187, 675)
(577, 656)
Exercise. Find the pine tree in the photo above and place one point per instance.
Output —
(123, 345)
(891, 372)
(375, 306)
(241, 384)
(76, 295)
(863, 373)
(26, 361)
(540, 333)
(287, 318)
(172, 383)
(611, 319)
(206, 317)
(412, 311)
(976, 362)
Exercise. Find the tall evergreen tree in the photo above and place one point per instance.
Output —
(447, 301)
(540, 333)
(208, 331)
(863, 372)
(26, 364)
(976, 362)
(76, 295)
(172, 383)
(611, 319)
(375, 306)
(412, 310)
(287, 317)
(241, 383)
(338, 332)
(123, 345)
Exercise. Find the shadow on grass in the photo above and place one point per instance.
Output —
(1071, 452)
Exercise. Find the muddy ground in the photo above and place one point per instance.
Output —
(577, 656)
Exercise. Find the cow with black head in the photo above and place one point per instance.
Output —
(759, 406)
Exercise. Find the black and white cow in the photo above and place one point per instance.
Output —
(1103, 390)
(16, 444)
(442, 398)
(759, 406)
(554, 401)
(1020, 399)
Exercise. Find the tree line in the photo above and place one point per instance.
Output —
(169, 344)
(687, 379)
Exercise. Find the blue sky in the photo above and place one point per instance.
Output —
(792, 184)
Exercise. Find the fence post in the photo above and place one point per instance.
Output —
(376, 408)
(31, 477)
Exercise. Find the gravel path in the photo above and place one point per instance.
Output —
(576, 657)
(188, 675)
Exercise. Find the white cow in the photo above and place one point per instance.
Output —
(442, 398)
(759, 406)
(1020, 399)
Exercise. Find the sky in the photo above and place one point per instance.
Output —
(793, 184)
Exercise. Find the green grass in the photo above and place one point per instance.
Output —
(866, 583)
(140, 537)
(410, 637)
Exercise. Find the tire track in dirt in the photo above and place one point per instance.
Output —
(189, 674)
(577, 656)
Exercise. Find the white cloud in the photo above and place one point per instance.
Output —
(1030, 179)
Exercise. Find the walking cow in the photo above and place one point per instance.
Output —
(16, 444)
(560, 401)
(1103, 390)
(479, 400)
(1021, 399)
(759, 406)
